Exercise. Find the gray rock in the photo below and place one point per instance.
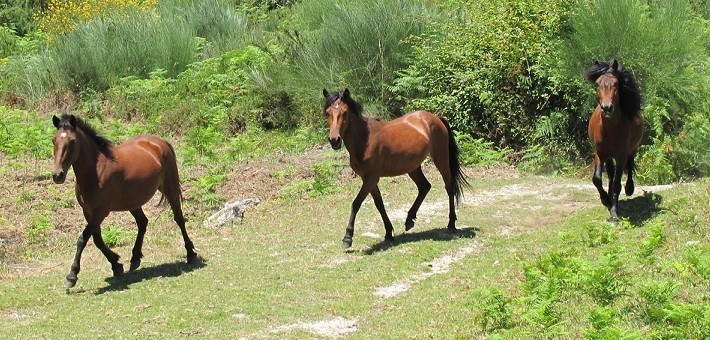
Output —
(232, 212)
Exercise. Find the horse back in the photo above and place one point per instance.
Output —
(403, 143)
(144, 159)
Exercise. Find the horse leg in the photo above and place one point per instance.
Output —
(112, 257)
(630, 166)
(423, 187)
(610, 171)
(597, 180)
(377, 197)
(142, 223)
(367, 186)
(615, 191)
(93, 221)
(174, 201)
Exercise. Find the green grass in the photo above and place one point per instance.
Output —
(284, 265)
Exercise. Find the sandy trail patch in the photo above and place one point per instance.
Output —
(440, 265)
(333, 328)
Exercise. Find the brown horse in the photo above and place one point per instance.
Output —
(121, 178)
(615, 129)
(394, 148)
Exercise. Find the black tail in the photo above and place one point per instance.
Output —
(631, 164)
(458, 179)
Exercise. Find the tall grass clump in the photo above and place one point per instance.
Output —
(361, 44)
(222, 27)
(665, 44)
(95, 53)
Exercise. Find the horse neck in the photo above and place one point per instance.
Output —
(356, 134)
(86, 165)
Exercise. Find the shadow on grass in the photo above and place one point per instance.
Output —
(433, 234)
(172, 269)
(641, 208)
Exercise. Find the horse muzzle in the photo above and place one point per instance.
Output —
(59, 177)
(607, 111)
(336, 143)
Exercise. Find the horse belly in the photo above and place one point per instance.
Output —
(133, 195)
(397, 165)
(135, 186)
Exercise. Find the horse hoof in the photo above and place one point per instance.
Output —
(451, 230)
(135, 265)
(613, 220)
(389, 238)
(629, 190)
(70, 282)
(117, 270)
(347, 243)
(192, 258)
(408, 225)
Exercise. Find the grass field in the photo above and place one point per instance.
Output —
(534, 258)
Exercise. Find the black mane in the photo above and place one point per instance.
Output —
(103, 144)
(629, 94)
(353, 104)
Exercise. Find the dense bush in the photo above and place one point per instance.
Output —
(17, 15)
(209, 94)
(481, 68)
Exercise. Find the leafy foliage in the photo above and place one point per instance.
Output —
(23, 133)
(17, 15)
(481, 68)
(479, 152)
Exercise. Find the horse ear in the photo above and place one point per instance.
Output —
(346, 93)
(55, 121)
(72, 121)
(325, 93)
(614, 64)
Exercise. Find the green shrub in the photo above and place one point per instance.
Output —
(23, 133)
(17, 15)
(8, 42)
(481, 68)
(478, 152)
(496, 311)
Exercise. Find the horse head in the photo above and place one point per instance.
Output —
(336, 108)
(605, 77)
(66, 148)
